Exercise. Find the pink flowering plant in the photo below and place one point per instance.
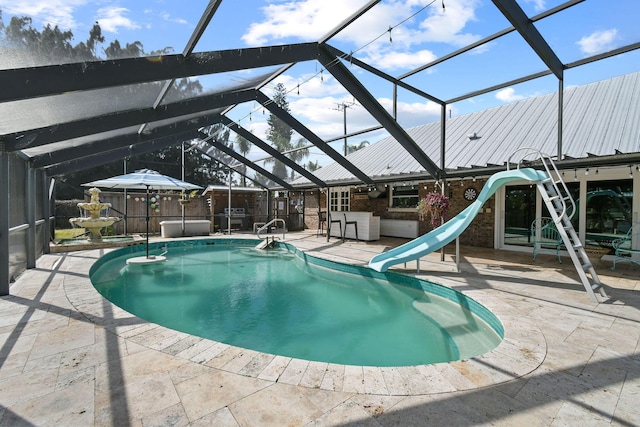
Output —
(435, 205)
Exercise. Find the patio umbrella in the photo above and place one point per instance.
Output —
(144, 179)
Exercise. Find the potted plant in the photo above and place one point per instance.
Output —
(186, 199)
(435, 205)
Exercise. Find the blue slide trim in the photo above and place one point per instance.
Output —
(447, 232)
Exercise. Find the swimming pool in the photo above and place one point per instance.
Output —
(285, 302)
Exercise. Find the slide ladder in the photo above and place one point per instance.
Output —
(561, 206)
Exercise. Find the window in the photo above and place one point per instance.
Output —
(404, 196)
(339, 199)
(519, 212)
(608, 211)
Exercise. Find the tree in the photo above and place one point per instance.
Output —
(131, 50)
(298, 154)
(27, 46)
(218, 134)
(51, 45)
(312, 166)
(243, 145)
(356, 147)
(279, 133)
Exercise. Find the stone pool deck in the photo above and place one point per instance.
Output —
(70, 358)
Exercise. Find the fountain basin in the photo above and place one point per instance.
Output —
(94, 222)
(94, 208)
(94, 225)
(83, 244)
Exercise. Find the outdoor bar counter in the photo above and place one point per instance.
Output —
(368, 225)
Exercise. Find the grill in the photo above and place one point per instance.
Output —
(238, 218)
(235, 212)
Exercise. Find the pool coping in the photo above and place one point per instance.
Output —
(521, 352)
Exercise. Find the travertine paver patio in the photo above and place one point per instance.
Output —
(69, 357)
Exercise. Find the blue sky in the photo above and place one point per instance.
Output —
(421, 31)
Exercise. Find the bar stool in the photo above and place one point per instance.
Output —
(331, 221)
(355, 225)
(322, 220)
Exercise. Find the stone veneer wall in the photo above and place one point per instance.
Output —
(481, 231)
(311, 208)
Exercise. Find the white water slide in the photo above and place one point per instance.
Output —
(447, 232)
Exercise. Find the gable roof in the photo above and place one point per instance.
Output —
(600, 119)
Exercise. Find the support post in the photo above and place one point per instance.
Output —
(31, 217)
(229, 205)
(182, 208)
(328, 218)
(126, 201)
(46, 195)
(458, 254)
(443, 136)
(560, 116)
(4, 220)
(344, 121)
(269, 207)
(147, 200)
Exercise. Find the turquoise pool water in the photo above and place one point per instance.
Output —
(284, 302)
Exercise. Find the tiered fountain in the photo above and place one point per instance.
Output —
(94, 222)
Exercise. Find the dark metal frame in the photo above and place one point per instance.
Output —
(178, 121)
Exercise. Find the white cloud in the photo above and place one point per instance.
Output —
(307, 19)
(508, 95)
(430, 25)
(326, 117)
(448, 26)
(323, 117)
(598, 42)
(113, 18)
(538, 5)
(414, 113)
(53, 12)
(167, 17)
(400, 60)
(308, 85)
(310, 19)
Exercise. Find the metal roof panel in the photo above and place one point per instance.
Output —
(598, 118)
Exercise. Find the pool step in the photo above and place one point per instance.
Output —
(266, 243)
(262, 245)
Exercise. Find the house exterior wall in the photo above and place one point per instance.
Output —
(480, 232)
(482, 229)
(488, 228)
(312, 205)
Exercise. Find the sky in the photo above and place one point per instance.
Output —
(396, 36)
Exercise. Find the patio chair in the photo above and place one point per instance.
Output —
(346, 223)
(627, 248)
(333, 221)
(545, 236)
(322, 221)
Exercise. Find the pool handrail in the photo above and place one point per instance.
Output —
(268, 224)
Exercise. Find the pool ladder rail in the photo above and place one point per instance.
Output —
(265, 244)
(561, 207)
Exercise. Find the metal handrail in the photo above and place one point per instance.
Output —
(267, 225)
(24, 226)
(530, 151)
